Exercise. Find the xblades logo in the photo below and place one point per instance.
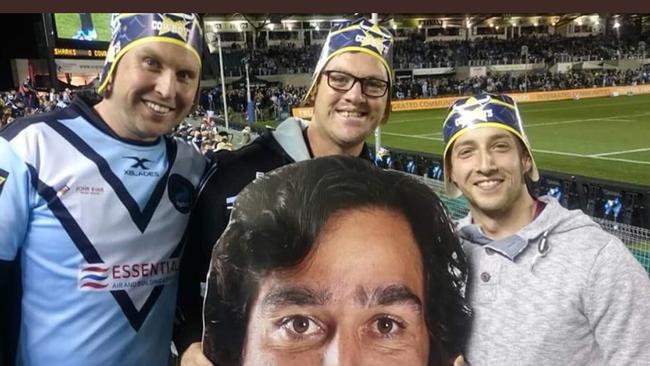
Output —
(140, 163)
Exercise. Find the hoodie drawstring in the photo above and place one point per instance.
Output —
(542, 249)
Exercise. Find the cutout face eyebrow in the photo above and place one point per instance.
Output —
(305, 296)
(294, 296)
(388, 295)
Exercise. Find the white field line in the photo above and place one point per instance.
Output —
(621, 118)
(620, 152)
(612, 118)
(534, 150)
(412, 136)
(430, 134)
(592, 157)
(580, 106)
(436, 120)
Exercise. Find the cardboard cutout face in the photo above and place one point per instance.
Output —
(356, 299)
(333, 260)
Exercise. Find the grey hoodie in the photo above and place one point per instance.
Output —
(561, 291)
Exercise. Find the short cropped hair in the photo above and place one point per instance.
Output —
(277, 220)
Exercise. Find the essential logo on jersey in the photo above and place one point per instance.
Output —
(3, 178)
(140, 167)
(93, 278)
(124, 276)
(181, 193)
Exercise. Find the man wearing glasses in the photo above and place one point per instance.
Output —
(350, 93)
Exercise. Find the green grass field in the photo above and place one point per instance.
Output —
(68, 24)
(606, 138)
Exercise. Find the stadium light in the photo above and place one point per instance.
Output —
(595, 19)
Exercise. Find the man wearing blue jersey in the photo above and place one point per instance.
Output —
(95, 199)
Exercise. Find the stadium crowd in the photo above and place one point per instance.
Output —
(276, 102)
(507, 82)
(414, 52)
(271, 102)
(26, 101)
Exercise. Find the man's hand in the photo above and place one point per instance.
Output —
(193, 356)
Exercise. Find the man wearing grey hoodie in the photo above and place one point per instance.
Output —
(547, 285)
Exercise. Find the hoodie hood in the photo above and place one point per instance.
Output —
(290, 140)
(552, 221)
(288, 135)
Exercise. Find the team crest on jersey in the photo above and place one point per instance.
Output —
(3, 178)
(181, 193)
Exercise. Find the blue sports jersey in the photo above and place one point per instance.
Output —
(99, 223)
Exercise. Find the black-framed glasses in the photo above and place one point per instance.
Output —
(342, 81)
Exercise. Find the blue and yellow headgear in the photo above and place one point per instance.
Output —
(358, 36)
(483, 110)
(133, 29)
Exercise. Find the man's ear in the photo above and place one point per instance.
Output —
(109, 87)
(526, 163)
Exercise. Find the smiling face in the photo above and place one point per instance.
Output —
(152, 91)
(346, 119)
(488, 165)
(357, 299)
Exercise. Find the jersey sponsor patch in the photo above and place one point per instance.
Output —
(181, 193)
(3, 178)
(124, 276)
